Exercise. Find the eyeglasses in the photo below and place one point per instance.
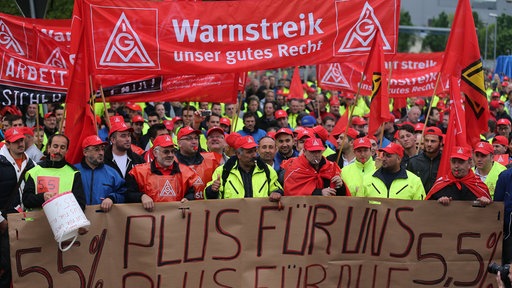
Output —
(166, 151)
(190, 138)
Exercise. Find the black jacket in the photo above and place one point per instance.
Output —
(425, 168)
(9, 195)
(133, 159)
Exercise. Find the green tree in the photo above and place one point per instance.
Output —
(57, 9)
(436, 42)
(503, 46)
(405, 40)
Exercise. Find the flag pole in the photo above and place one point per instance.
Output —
(237, 111)
(351, 110)
(430, 106)
(107, 119)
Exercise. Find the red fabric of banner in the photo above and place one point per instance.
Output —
(232, 36)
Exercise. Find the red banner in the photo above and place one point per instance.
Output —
(23, 81)
(411, 75)
(232, 36)
(194, 88)
(19, 36)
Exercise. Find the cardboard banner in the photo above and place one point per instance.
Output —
(231, 36)
(411, 75)
(23, 81)
(312, 242)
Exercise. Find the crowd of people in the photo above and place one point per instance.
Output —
(269, 146)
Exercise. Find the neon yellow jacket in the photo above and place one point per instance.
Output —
(406, 186)
(354, 173)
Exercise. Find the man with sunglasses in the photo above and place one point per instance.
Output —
(102, 184)
(162, 180)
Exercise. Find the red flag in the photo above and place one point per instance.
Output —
(376, 71)
(456, 131)
(340, 127)
(79, 117)
(462, 60)
(296, 89)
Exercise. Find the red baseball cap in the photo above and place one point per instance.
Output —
(176, 119)
(169, 125)
(349, 95)
(394, 148)
(119, 127)
(286, 131)
(484, 148)
(362, 142)
(231, 139)
(419, 127)
(321, 132)
(280, 114)
(137, 119)
(314, 144)
(48, 115)
(92, 140)
(215, 129)
(503, 121)
(352, 133)
(502, 140)
(163, 141)
(133, 106)
(304, 133)
(358, 121)
(28, 131)
(245, 142)
(459, 152)
(495, 94)
(116, 119)
(504, 84)
(14, 134)
(433, 131)
(187, 130)
(225, 121)
(419, 102)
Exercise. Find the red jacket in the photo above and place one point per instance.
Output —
(164, 188)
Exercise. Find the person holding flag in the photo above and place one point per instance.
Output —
(460, 183)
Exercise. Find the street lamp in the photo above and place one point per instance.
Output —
(486, 29)
(495, 33)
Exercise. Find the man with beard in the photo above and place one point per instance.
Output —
(202, 163)
(284, 144)
(53, 176)
(13, 165)
(426, 164)
(162, 180)
(247, 175)
(354, 173)
(391, 180)
(312, 174)
(102, 184)
(250, 128)
(119, 154)
(460, 183)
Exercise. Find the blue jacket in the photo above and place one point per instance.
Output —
(503, 193)
(102, 182)
(257, 134)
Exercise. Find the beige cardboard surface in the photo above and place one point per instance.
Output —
(312, 242)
